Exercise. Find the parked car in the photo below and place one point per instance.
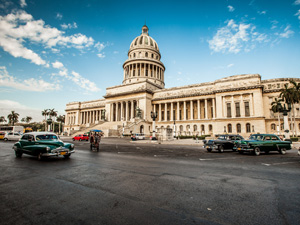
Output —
(137, 136)
(10, 136)
(42, 144)
(2, 134)
(223, 142)
(258, 143)
(81, 137)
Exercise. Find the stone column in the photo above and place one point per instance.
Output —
(198, 109)
(122, 111)
(126, 111)
(184, 110)
(117, 111)
(214, 108)
(242, 107)
(206, 116)
(159, 111)
(192, 110)
(233, 112)
(132, 108)
(251, 105)
(166, 110)
(178, 110)
(171, 114)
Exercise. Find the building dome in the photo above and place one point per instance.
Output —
(144, 41)
(143, 61)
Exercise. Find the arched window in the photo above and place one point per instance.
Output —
(273, 126)
(202, 128)
(133, 55)
(151, 42)
(152, 56)
(299, 126)
(146, 54)
(195, 127)
(188, 128)
(210, 128)
(248, 127)
(238, 128)
(229, 128)
(141, 40)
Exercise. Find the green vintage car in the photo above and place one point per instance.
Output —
(258, 143)
(42, 144)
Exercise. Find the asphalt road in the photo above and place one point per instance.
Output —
(134, 183)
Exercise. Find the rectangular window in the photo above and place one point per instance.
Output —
(162, 115)
(180, 117)
(168, 115)
(237, 109)
(228, 110)
(247, 109)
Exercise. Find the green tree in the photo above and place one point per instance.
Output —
(295, 95)
(45, 113)
(13, 118)
(276, 107)
(2, 119)
(28, 119)
(53, 113)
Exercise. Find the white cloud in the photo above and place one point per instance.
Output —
(298, 13)
(59, 16)
(101, 55)
(261, 12)
(23, 3)
(230, 65)
(297, 2)
(18, 28)
(99, 46)
(116, 52)
(69, 26)
(287, 32)
(30, 84)
(57, 65)
(234, 38)
(230, 8)
(84, 83)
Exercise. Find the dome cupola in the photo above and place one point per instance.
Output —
(143, 61)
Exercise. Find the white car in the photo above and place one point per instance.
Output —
(10, 136)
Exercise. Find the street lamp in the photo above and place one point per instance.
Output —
(285, 111)
(153, 116)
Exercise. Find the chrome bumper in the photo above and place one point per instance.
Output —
(57, 153)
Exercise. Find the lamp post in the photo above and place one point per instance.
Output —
(153, 116)
(174, 128)
(285, 111)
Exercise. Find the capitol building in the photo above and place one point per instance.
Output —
(238, 104)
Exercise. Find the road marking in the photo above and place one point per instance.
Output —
(125, 152)
(218, 159)
(281, 163)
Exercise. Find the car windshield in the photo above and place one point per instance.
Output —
(46, 137)
(222, 137)
(256, 137)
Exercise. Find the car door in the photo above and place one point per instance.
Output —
(267, 144)
(16, 137)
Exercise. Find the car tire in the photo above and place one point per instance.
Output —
(209, 150)
(73, 139)
(67, 156)
(256, 151)
(18, 153)
(80, 139)
(241, 152)
(221, 148)
(39, 156)
(282, 151)
(5, 139)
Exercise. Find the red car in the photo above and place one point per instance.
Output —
(81, 137)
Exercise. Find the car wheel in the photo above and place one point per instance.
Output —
(209, 150)
(19, 153)
(5, 139)
(221, 148)
(73, 139)
(80, 139)
(257, 151)
(39, 157)
(282, 151)
(67, 156)
(241, 152)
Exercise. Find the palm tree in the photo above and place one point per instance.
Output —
(13, 118)
(296, 99)
(276, 107)
(28, 119)
(45, 113)
(23, 120)
(2, 119)
(53, 113)
(60, 119)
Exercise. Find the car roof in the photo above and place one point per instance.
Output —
(40, 133)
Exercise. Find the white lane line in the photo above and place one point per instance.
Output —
(218, 159)
(281, 163)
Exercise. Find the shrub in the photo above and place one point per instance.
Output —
(294, 139)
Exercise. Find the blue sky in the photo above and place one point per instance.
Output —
(55, 52)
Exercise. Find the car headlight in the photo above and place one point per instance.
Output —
(47, 149)
(72, 146)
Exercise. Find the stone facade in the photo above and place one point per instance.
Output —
(235, 104)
